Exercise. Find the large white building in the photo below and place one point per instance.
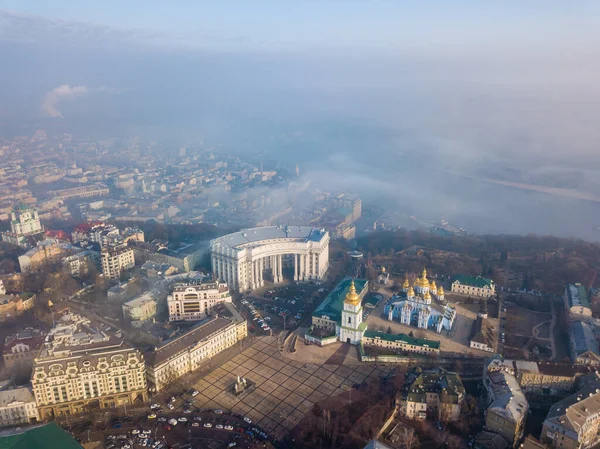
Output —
(188, 351)
(241, 259)
(24, 222)
(17, 406)
(195, 300)
(116, 260)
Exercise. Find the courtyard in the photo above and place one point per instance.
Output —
(285, 389)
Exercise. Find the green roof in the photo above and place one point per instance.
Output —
(405, 338)
(447, 385)
(50, 436)
(473, 281)
(333, 304)
(577, 295)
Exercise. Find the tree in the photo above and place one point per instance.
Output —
(408, 439)
(317, 410)
(389, 329)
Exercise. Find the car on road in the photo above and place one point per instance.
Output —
(135, 431)
(195, 392)
(228, 427)
(219, 412)
(248, 420)
(219, 426)
(232, 444)
(154, 406)
(172, 421)
(171, 407)
(146, 431)
(162, 419)
(187, 410)
(182, 419)
(207, 425)
(126, 446)
(197, 418)
(195, 424)
(151, 416)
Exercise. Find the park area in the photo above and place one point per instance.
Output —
(528, 334)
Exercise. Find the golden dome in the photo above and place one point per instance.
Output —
(405, 284)
(352, 297)
(423, 281)
(383, 269)
(432, 285)
(426, 295)
(410, 292)
(440, 291)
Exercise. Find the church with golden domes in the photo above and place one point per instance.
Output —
(415, 306)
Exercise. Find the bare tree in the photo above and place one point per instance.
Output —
(408, 439)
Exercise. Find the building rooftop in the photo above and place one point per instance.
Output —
(247, 236)
(23, 394)
(473, 281)
(577, 295)
(48, 436)
(333, 304)
(140, 300)
(424, 342)
(571, 413)
(482, 332)
(447, 385)
(583, 338)
(507, 398)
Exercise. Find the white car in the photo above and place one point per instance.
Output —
(232, 444)
(228, 427)
(207, 424)
(182, 419)
(197, 418)
(219, 426)
(162, 419)
(146, 431)
(135, 431)
(195, 424)
(172, 421)
(171, 407)
(219, 412)
(195, 392)
(154, 406)
(248, 420)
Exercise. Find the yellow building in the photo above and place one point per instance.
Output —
(116, 260)
(474, 286)
(80, 369)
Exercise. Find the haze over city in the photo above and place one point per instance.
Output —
(394, 99)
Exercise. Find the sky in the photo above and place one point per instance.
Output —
(497, 89)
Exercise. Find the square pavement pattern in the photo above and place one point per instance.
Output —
(285, 389)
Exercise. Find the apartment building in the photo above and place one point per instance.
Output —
(507, 410)
(116, 260)
(436, 395)
(190, 350)
(140, 309)
(17, 406)
(196, 300)
(21, 348)
(81, 368)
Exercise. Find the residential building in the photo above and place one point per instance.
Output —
(490, 440)
(13, 305)
(583, 344)
(196, 300)
(507, 406)
(185, 258)
(242, 259)
(541, 380)
(577, 302)
(401, 343)
(140, 309)
(79, 263)
(88, 191)
(21, 348)
(482, 335)
(574, 422)
(101, 233)
(24, 226)
(116, 260)
(474, 286)
(17, 406)
(81, 368)
(191, 349)
(47, 251)
(437, 395)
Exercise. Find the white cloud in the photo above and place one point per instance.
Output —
(53, 98)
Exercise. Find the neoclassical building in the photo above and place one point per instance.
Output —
(196, 300)
(241, 259)
(416, 308)
(80, 369)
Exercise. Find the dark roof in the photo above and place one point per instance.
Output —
(447, 385)
(481, 332)
(50, 436)
(184, 341)
(473, 281)
(562, 369)
(405, 338)
(333, 304)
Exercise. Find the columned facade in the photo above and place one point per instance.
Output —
(242, 259)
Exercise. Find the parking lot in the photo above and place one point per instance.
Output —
(285, 389)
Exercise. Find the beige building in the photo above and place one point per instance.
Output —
(140, 309)
(116, 260)
(401, 343)
(577, 302)
(474, 286)
(20, 349)
(544, 379)
(436, 395)
(17, 406)
(195, 300)
(13, 305)
(574, 422)
(507, 410)
(81, 369)
(46, 251)
(78, 264)
(189, 350)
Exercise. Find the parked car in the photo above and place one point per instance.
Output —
(207, 424)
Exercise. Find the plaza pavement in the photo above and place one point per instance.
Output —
(285, 389)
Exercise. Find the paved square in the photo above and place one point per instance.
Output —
(285, 389)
